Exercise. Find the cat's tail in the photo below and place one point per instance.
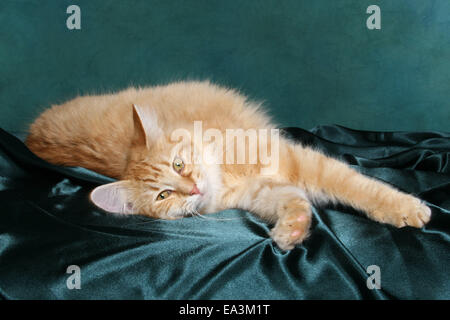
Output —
(73, 135)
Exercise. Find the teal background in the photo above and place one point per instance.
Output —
(312, 62)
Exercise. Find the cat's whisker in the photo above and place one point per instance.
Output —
(211, 218)
(141, 223)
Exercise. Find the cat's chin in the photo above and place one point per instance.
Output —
(202, 201)
(194, 206)
(205, 201)
(210, 187)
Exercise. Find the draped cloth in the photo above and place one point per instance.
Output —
(47, 224)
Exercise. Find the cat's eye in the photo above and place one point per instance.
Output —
(178, 165)
(163, 195)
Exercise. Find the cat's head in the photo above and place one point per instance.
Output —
(163, 179)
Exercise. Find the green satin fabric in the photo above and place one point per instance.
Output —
(47, 223)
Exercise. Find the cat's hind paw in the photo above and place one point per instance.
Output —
(412, 212)
(418, 215)
(290, 231)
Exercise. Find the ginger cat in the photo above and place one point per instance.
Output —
(129, 136)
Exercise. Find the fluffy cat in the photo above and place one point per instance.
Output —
(127, 136)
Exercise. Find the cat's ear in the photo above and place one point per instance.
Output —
(113, 197)
(146, 128)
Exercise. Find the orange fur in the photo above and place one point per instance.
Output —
(107, 134)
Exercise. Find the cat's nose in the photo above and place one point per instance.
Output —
(195, 190)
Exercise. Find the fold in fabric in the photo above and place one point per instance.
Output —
(48, 224)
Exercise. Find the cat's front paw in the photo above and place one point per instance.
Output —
(291, 230)
(410, 211)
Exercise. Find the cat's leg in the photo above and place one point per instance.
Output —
(323, 175)
(284, 205)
